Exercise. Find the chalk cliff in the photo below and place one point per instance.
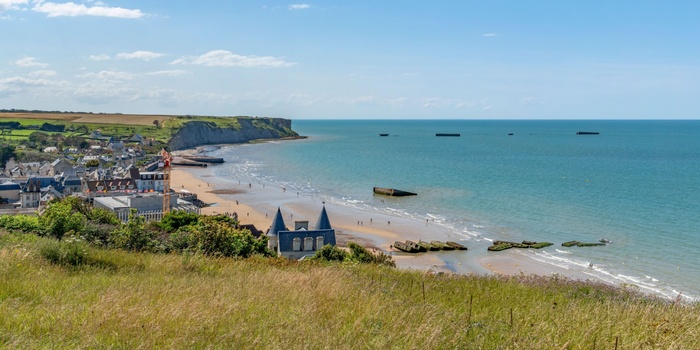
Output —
(200, 133)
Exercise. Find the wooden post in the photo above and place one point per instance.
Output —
(423, 290)
(511, 317)
(469, 317)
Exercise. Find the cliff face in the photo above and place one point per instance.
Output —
(199, 133)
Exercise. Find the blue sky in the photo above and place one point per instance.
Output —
(623, 59)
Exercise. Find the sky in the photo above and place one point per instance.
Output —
(355, 59)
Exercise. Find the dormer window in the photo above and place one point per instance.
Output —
(114, 188)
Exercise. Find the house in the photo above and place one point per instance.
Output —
(9, 165)
(301, 242)
(148, 205)
(136, 138)
(9, 191)
(51, 149)
(58, 166)
(72, 184)
(108, 188)
(150, 181)
(31, 194)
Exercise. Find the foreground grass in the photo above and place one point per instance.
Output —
(128, 300)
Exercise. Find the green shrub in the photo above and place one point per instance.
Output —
(71, 252)
(175, 219)
(74, 252)
(134, 236)
(362, 255)
(22, 223)
(330, 253)
(59, 218)
(217, 237)
(98, 233)
(104, 216)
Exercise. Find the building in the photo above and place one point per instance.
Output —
(31, 194)
(301, 242)
(9, 191)
(108, 188)
(148, 205)
(150, 181)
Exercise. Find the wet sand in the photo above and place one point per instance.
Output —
(257, 204)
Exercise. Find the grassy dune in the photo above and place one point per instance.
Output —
(173, 301)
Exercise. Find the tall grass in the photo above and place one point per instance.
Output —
(190, 301)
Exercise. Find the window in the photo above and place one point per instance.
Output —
(296, 244)
(309, 243)
(121, 187)
(113, 188)
(319, 242)
(131, 187)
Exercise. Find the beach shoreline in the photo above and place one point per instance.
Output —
(257, 203)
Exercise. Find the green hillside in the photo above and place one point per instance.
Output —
(145, 300)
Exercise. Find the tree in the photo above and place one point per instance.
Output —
(60, 218)
(6, 152)
(133, 235)
(156, 123)
(92, 163)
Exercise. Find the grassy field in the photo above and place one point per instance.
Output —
(128, 119)
(119, 125)
(133, 300)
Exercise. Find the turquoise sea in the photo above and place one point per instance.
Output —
(636, 184)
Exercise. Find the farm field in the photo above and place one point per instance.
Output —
(128, 119)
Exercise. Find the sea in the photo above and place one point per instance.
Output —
(635, 184)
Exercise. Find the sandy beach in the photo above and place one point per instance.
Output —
(257, 203)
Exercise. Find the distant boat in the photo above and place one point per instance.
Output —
(587, 133)
(383, 134)
(443, 134)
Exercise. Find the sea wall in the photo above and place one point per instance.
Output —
(200, 133)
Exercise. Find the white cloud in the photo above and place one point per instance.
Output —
(101, 57)
(108, 75)
(71, 9)
(489, 34)
(11, 4)
(298, 6)
(169, 73)
(223, 58)
(12, 85)
(29, 62)
(359, 100)
(141, 55)
(43, 73)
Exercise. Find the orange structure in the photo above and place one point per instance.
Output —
(167, 160)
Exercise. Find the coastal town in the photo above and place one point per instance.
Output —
(124, 175)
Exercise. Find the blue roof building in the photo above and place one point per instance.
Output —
(301, 242)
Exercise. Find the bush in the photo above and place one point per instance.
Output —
(362, 255)
(214, 236)
(23, 223)
(104, 216)
(73, 252)
(134, 236)
(98, 233)
(175, 219)
(60, 218)
(330, 253)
